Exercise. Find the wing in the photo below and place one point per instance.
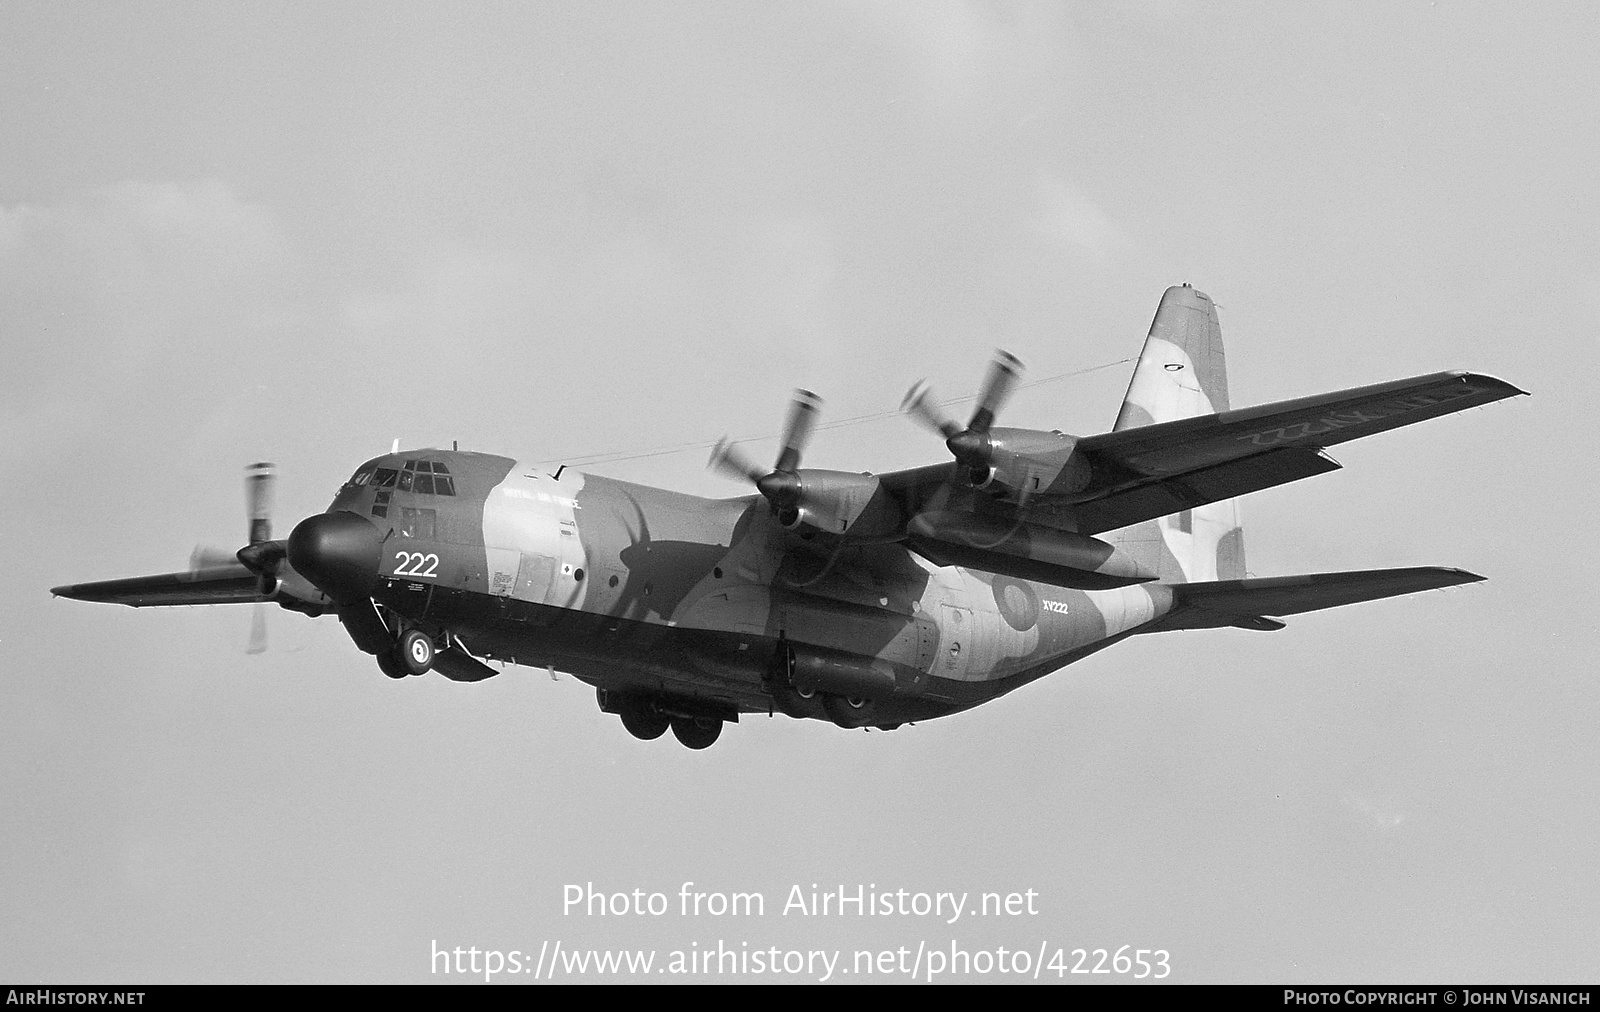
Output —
(1156, 470)
(229, 584)
(1248, 603)
(1178, 465)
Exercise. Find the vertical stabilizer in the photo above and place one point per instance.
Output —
(1182, 373)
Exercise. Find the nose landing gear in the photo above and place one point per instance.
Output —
(416, 651)
(389, 664)
(412, 654)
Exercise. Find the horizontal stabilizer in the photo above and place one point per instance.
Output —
(226, 584)
(1248, 604)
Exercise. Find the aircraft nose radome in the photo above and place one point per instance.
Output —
(338, 552)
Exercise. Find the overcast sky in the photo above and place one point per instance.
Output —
(297, 232)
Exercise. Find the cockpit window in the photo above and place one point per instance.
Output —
(423, 477)
(416, 523)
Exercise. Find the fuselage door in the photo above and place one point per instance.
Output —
(535, 577)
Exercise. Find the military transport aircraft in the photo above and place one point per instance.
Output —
(868, 600)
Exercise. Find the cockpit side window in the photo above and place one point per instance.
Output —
(415, 523)
(422, 477)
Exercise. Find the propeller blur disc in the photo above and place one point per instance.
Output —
(259, 480)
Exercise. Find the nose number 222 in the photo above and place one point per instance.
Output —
(416, 564)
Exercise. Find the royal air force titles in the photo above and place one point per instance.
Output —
(857, 900)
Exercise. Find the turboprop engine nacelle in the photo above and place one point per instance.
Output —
(842, 503)
(278, 580)
(1030, 461)
(1026, 551)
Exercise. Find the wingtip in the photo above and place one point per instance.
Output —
(1488, 382)
(72, 592)
(1450, 576)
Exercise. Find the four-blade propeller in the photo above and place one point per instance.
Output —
(784, 487)
(261, 555)
(781, 486)
(969, 445)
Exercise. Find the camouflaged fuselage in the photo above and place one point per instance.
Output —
(633, 588)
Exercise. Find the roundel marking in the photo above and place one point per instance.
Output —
(1018, 603)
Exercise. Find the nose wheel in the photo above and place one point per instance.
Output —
(389, 664)
(412, 654)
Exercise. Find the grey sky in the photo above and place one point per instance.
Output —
(296, 232)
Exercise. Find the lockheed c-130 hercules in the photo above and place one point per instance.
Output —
(867, 600)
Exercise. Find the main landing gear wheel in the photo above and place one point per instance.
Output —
(415, 651)
(848, 711)
(644, 721)
(696, 732)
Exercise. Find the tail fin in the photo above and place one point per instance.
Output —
(1182, 373)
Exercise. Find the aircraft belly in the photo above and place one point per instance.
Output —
(603, 650)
